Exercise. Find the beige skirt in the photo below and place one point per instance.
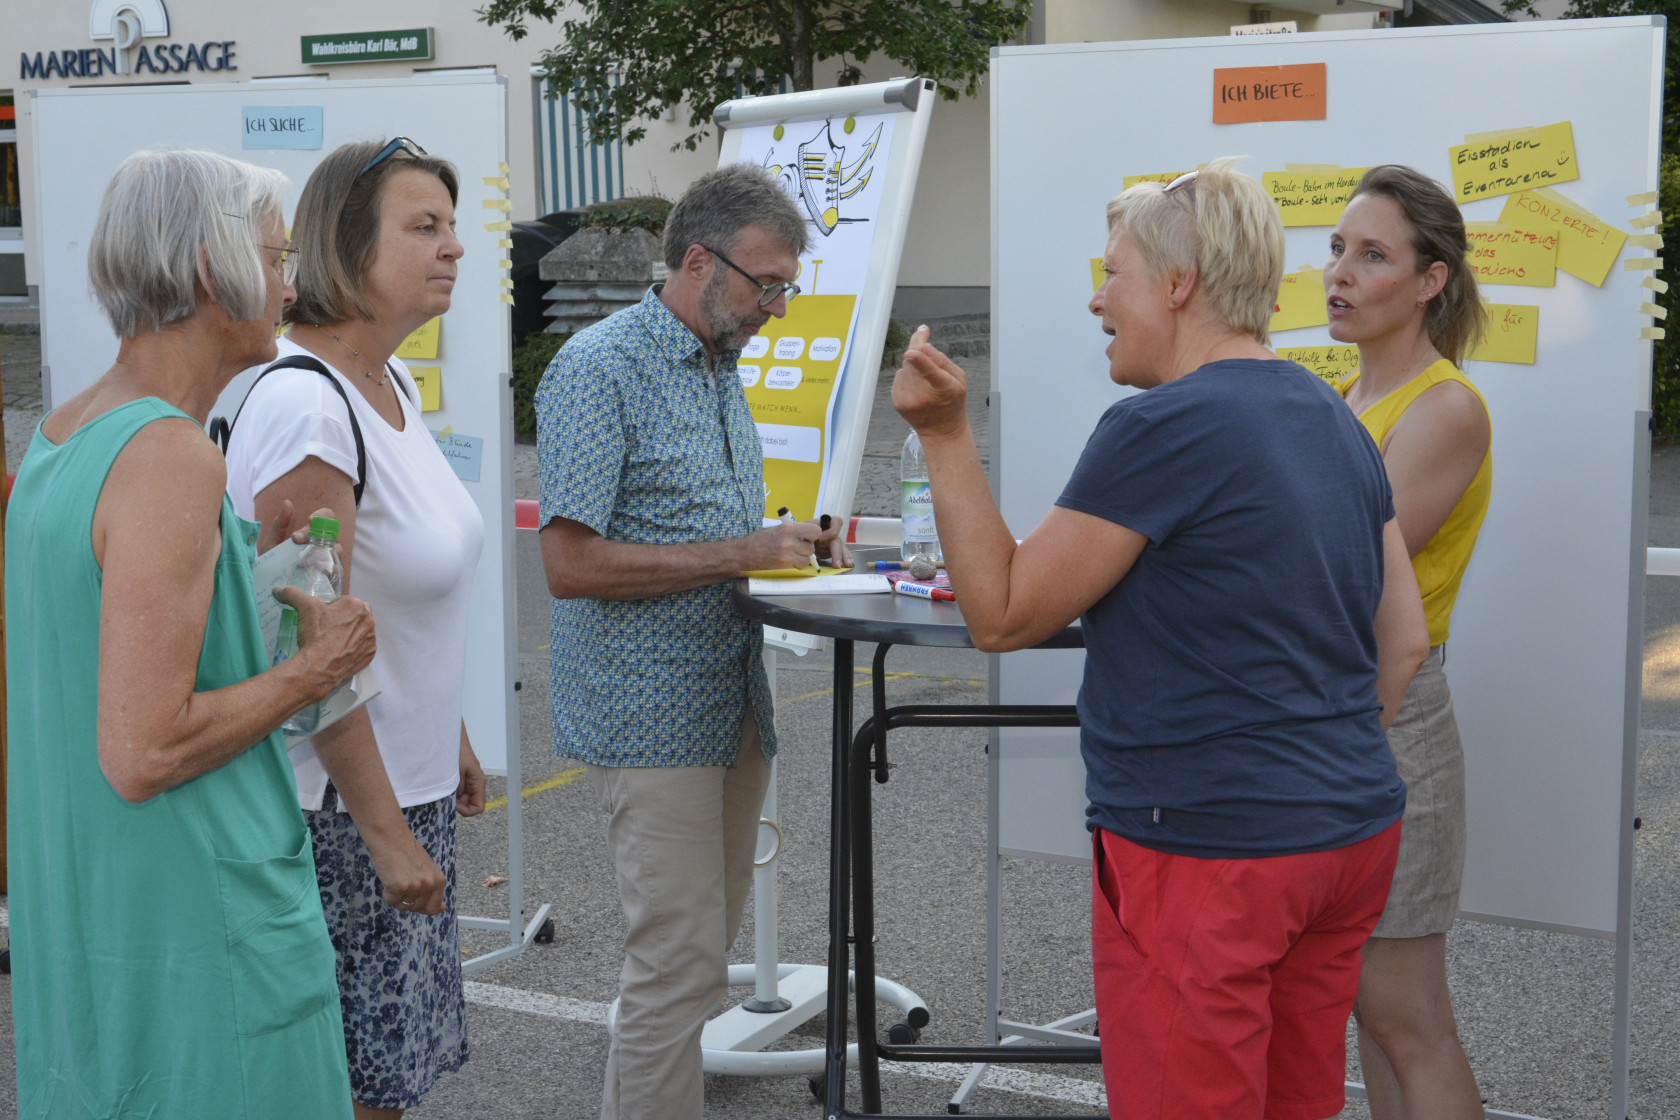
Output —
(1424, 738)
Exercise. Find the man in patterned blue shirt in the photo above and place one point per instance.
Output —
(652, 502)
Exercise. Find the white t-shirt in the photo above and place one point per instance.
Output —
(418, 538)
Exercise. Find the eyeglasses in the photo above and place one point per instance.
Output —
(767, 293)
(397, 144)
(1186, 181)
(288, 252)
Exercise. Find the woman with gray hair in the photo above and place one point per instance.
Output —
(1250, 629)
(169, 955)
(338, 423)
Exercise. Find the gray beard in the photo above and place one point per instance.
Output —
(728, 331)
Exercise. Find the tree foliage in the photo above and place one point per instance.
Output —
(627, 61)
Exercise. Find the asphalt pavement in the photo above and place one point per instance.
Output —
(1533, 1006)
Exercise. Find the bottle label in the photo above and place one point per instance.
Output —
(916, 513)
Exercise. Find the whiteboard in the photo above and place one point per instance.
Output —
(1539, 655)
(81, 135)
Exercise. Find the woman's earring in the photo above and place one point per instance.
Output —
(1172, 303)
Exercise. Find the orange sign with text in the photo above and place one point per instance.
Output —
(1245, 94)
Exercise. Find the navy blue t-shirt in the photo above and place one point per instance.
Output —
(1229, 707)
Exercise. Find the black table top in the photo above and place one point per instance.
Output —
(893, 618)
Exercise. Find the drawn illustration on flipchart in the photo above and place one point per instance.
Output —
(825, 175)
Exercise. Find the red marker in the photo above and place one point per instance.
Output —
(923, 591)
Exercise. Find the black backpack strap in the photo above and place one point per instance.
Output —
(221, 430)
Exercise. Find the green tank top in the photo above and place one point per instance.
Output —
(168, 958)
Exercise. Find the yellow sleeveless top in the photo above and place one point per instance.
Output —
(1440, 565)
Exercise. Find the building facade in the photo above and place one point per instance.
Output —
(553, 165)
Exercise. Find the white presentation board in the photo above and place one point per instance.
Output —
(1539, 658)
(81, 135)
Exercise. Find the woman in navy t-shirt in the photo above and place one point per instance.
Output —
(1225, 538)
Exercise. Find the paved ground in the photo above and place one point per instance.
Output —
(1533, 1006)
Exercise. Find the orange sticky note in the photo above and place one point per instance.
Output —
(1245, 94)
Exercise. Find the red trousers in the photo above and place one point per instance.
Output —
(1224, 985)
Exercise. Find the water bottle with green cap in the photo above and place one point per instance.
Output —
(319, 572)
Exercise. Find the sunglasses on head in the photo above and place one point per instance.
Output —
(397, 144)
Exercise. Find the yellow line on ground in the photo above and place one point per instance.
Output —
(564, 778)
(868, 674)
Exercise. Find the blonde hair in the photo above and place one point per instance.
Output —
(1223, 225)
(1455, 317)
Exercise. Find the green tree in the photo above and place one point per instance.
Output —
(1665, 358)
(628, 61)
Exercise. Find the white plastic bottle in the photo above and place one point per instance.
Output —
(915, 511)
(318, 572)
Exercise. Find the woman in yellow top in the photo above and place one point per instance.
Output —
(1399, 285)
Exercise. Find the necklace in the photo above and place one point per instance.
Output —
(367, 373)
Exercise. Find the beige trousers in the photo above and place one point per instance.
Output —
(682, 840)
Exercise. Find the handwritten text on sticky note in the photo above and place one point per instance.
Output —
(465, 453)
(1312, 198)
(1300, 301)
(1269, 93)
(423, 343)
(1512, 335)
(289, 127)
(1507, 253)
(1505, 163)
(1127, 182)
(429, 380)
(1330, 362)
(1587, 244)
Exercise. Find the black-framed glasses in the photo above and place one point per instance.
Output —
(397, 144)
(767, 293)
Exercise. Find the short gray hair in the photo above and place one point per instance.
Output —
(715, 209)
(171, 218)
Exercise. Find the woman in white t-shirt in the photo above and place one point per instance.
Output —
(376, 258)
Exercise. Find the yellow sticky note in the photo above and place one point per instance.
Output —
(1658, 286)
(1508, 253)
(1127, 182)
(502, 168)
(504, 262)
(1652, 310)
(504, 243)
(1646, 241)
(1646, 221)
(423, 343)
(506, 298)
(1300, 301)
(1492, 164)
(1653, 334)
(496, 181)
(1312, 197)
(1587, 244)
(1643, 198)
(1330, 362)
(501, 204)
(498, 227)
(1513, 333)
(1642, 264)
(429, 380)
(1097, 273)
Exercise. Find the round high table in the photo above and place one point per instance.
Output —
(887, 620)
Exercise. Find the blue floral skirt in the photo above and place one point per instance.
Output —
(399, 974)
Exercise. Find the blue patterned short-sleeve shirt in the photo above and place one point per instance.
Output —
(636, 442)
